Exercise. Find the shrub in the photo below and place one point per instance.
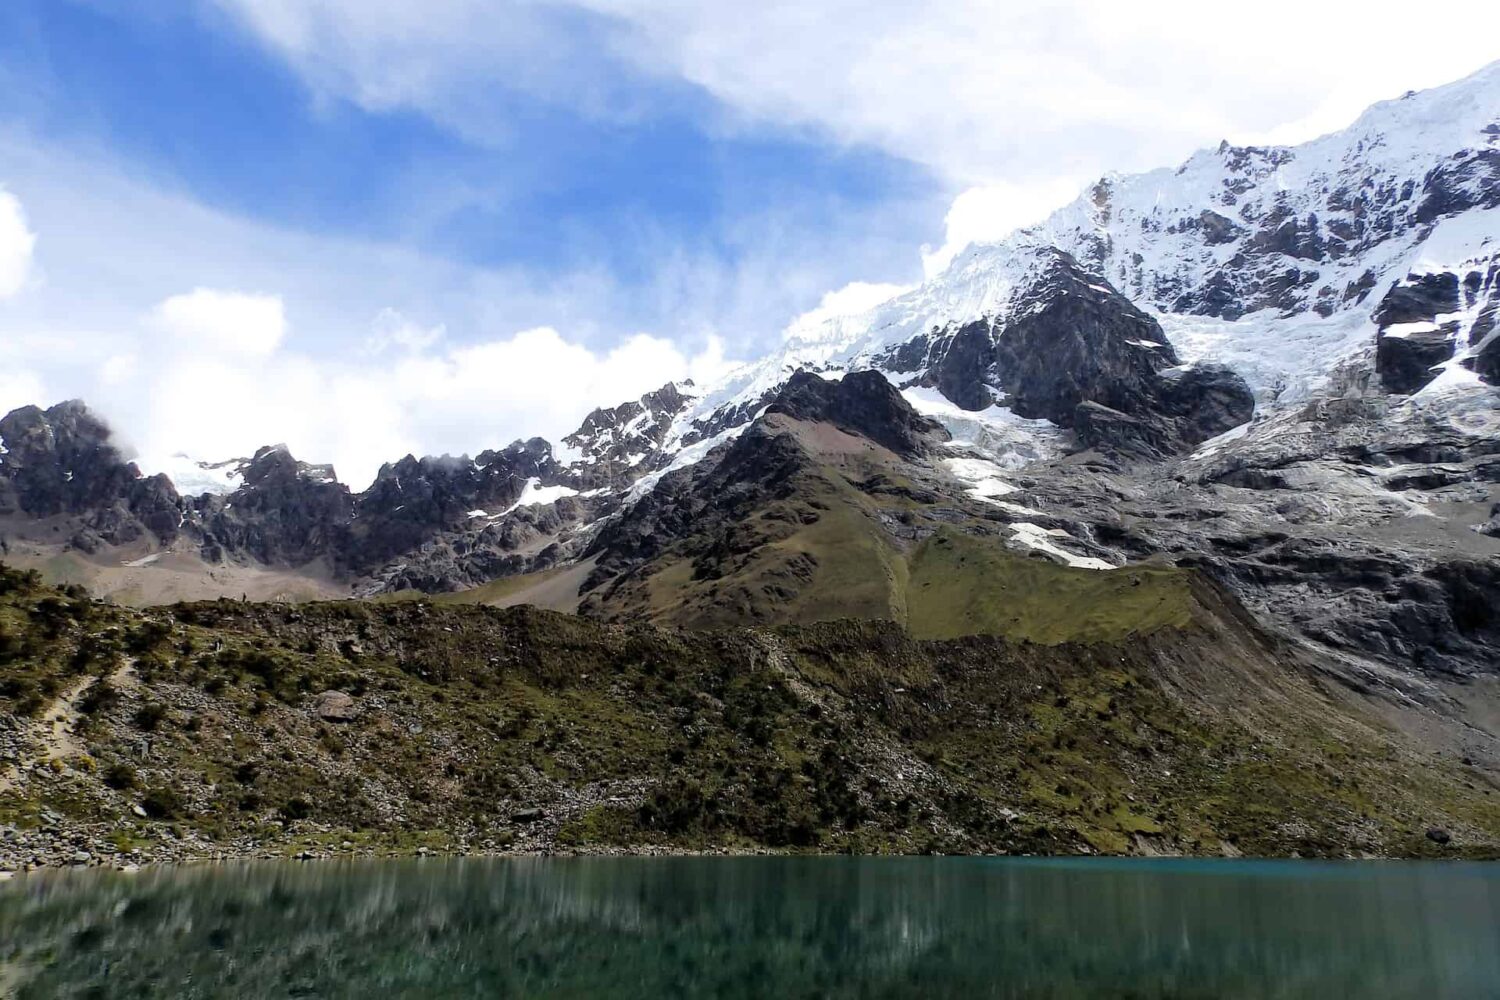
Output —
(162, 803)
(100, 696)
(120, 777)
(149, 716)
(295, 809)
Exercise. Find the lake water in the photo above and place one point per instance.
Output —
(757, 927)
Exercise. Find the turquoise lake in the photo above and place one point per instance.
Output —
(756, 927)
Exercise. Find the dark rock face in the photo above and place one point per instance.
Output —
(286, 513)
(1081, 355)
(1205, 401)
(1110, 431)
(61, 461)
(1484, 336)
(863, 403)
(1078, 340)
(413, 500)
(1486, 363)
(1421, 327)
(1418, 299)
(1407, 363)
(965, 366)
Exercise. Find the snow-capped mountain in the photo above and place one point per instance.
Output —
(1270, 259)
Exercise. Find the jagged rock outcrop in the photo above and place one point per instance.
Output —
(614, 444)
(61, 461)
(286, 513)
(864, 403)
(414, 500)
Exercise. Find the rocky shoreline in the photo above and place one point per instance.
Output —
(24, 852)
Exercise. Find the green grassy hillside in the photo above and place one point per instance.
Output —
(211, 728)
(960, 585)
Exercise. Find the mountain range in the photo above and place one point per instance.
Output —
(1257, 395)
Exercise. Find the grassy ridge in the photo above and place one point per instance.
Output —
(827, 552)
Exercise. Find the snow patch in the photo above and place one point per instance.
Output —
(194, 478)
(1401, 331)
(982, 477)
(536, 495)
(1009, 441)
(1034, 536)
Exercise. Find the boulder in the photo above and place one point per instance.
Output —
(336, 706)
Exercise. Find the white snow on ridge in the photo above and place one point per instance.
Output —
(999, 435)
(534, 495)
(1034, 536)
(689, 455)
(1149, 237)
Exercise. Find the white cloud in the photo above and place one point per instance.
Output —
(18, 388)
(979, 91)
(394, 332)
(453, 60)
(992, 211)
(206, 396)
(17, 243)
(231, 323)
(841, 303)
(194, 330)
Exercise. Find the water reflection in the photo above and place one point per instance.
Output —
(815, 927)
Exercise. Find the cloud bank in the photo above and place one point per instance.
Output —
(16, 245)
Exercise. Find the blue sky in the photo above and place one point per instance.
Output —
(367, 227)
(186, 97)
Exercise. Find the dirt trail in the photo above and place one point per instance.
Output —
(55, 730)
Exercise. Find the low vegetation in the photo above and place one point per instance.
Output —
(241, 728)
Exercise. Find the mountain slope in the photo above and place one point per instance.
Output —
(267, 730)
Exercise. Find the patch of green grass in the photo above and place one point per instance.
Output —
(962, 585)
